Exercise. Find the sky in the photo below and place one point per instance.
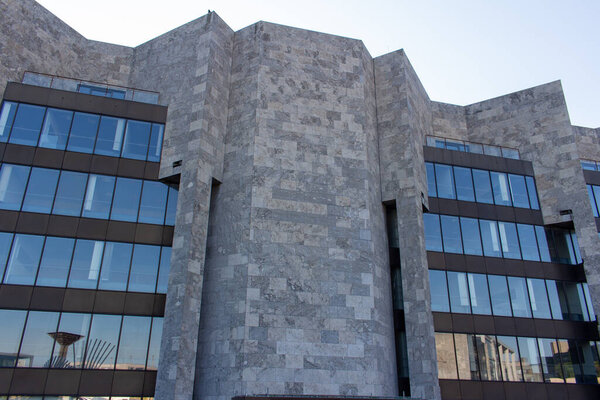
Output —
(464, 51)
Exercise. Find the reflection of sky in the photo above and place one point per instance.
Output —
(77, 324)
(12, 327)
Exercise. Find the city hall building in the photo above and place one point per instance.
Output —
(216, 214)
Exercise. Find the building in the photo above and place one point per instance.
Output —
(324, 227)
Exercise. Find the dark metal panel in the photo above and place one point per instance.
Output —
(104, 165)
(447, 206)
(131, 168)
(151, 170)
(92, 228)
(5, 378)
(591, 177)
(471, 390)
(18, 154)
(28, 380)
(544, 327)
(33, 223)
(128, 383)
(63, 381)
(484, 324)
(47, 298)
(505, 213)
(525, 327)
(147, 233)
(583, 392)
(455, 262)
(77, 161)
(442, 322)
(493, 391)
(505, 326)
(120, 231)
(48, 158)
(108, 302)
(15, 296)
(95, 382)
(513, 267)
(167, 239)
(436, 260)
(79, 300)
(558, 392)
(515, 390)
(139, 304)
(159, 305)
(149, 383)
(462, 323)
(62, 225)
(450, 389)
(467, 209)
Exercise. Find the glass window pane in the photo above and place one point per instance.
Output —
(480, 296)
(144, 268)
(440, 143)
(110, 136)
(578, 258)
(542, 243)
(499, 295)
(24, 259)
(509, 359)
(433, 232)
(530, 360)
(519, 297)
(451, 234)
(570, 360)
(137, 136)
(489, 237)
(133, 345)
(7, 116)
(531, 190)
(500, 188)
(12, 329)
(13, 179)
(474, 148)
(596, 190)
(126, 200)
(510, 153)
(40, 190)
(27, 125)
(98, 196)
(466, 356)
(115, 266)
(518, 191)
(69, 196)
(590, 364)
(83, 132)
(581, 296)
(592, 200)
(102, 345)
(492, 150)
(153, 203)
(446, 358)
(163, 273)
(5, 242)
(444, 181)
(509, 240)
(439, 291)
(453, 145)
(85, 267)
(54, 267)
(37, 345)
(550, 358)
(483, 188)
(464, 184)
(538, 298)
(156, 139)
(56, 129)
(558, 304)
(586, 291)
(71, 340)
(430, 141)
(431, 191)
(459, 292)
(171, 207)
(470, 236)
(489, 364)
(573, 296)
(154, 348)
(528, 242)
(589, 165)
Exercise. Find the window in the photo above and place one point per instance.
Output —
(459, 292)
(13, 322)
(538, 298)
(431, 191)
(85, 267)
(466, 356)
(71, 356)
(529, 245)
(153, 203)
(489, 236)
(69, 196)
(37, 345)
(133, 345)
(519, 297)
(439, 291)
(137, 136)
(464, 184)
(451, 234)
(532, 368)
(154, 348)
(40, 190)
(13, 179)
(446, 356)
(550, 360)
(27, 125)
(163, 273)
(518, 191)
(156, 139)
(56, 259)
(110, 136)
(480, 296)
(483, 188)
(55, 131)
(83, 132)
(433, 233)
(470, 235)
(5, 243)
(24, 259)
(500, 188)
(144, 268)
(7, 115)
(510, 360)
(489, 364)
(509, 239)
(445, 181)
(98, 196)
(126, 199)
(499, 295)
(102, 344)
(115, 266)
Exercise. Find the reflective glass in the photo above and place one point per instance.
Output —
(586, 291)
(27, 125)
(431, 191)
(531, 190)
(518, 190)
(110, 136)
(451, 234)
(144, 268)
(558, 303)
(40, 190)
(489, 364)
(570, 360)
(433, 232)
(466, 356)
(538, 298)
(489, 237)
(464, 184)
(439, 291)
(446, 357)
(7, 115)
(480, 296)
(530, 360)
(500, 187)
(102, 345)
(509, 240)
(133, 346)
(589, 361)
(13, 179)
(592, 200)
(519, 297)
(98, 196)
(171, 207)
(510, 153)
(456, 146)
(163, 273)
(137, 136)
(578, 258)
(156, 139)
(85, 267)
(154, 348)
(115, 266)
(492, 150)
(474, 148)
(5, 242)
(12, 329)
(56, 259)
(542, 243)
(568, 292)
(459, 292)
(550, 358)
(73, 334)
(38, 341)
(126, 199)
(528, 242)
(499, 295)
(444, 181)
(69, 196)
(589, 165)
(483, 188)
(510, 363)
(83, 132)
(56, 129)
(24, 259)
(470, 236)
(596, 190)
(153, 203)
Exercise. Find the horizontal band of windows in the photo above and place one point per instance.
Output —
(39, 298)
(516, 358)
(485, 211)
(60, 129)
(509, 296)
(86, 264)
(471, 147)
(60, 192)
(73, 397)
(480, 161)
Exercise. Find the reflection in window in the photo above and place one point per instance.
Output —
(144, 268)
(83, 132)
(483, 188)
(133, 345)
(466, 356)
(163, 272)
(115, 266)
(153, 203)
(154, 348)
(12, 329)
(56, 129)
(510, 361)
(509, 240)
(519, 297)
(71, 339)
(470, 236)
(518, 190)
(570, 360)
(451, 234)
(538, 298)
(464, 184)
(499, 295)
(24, 259)
(69, 195)
(533, 199)
(5, 243)
(586, 291)
(110, 136)
(431, 191)
(137, 136)
(171, 206)
(445, 181)
(530, 360)
(590, 362)
(480, 296)
(126, 199)
(489, 364)
(38, 342)
(439, 291)
(102, 344)
(156, 139)
(459, 292)
(40, 190)
(446, 358)
(7, 115)
(529, 245)
(98, 196)
(542, 243)
(86, 264)
(433, 233)
(500, 188)
(592, 200)
(54, 267)
(13, 179)
(550, 359)
(27, 124)
(489, 237)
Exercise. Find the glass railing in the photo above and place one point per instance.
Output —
(470, 147)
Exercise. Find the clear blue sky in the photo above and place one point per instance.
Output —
(463, 51)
